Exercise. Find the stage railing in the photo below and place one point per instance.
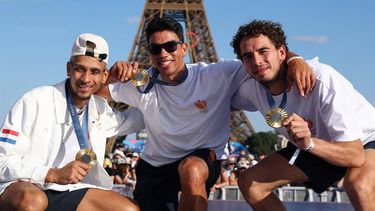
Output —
(285, 193)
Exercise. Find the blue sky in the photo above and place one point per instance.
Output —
(36, 36)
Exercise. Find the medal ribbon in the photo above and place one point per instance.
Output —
(81, 132)
(153, 80)
(271, 101)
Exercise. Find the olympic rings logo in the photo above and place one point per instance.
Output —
(191, 36)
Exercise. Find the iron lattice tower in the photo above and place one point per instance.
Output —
(192, 15)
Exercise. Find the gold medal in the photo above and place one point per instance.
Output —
(140, 79)
(275, 117)
(86, 156)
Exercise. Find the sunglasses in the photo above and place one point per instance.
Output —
(170, 47)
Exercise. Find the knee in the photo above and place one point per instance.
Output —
(30, 200)
(130, 205)
(249, 185)
(193, 171)
(359, 186)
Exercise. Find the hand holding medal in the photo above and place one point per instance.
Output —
(140, 79)
(299, 132)
(124, 71)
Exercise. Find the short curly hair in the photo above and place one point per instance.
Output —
(255, 28)
(165, 23)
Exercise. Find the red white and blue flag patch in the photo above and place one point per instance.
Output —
(8, 136)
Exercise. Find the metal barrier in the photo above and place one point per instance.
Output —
(123, 189)
(285, 193)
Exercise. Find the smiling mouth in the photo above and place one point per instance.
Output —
(166, 62)
(84, 88)
(261, 70)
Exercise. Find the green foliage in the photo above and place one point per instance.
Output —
(262, 143)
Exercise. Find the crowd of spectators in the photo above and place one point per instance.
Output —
(231, 165)
(120, 165)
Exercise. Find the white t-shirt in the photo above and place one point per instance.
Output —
(176, 118)
(335, 109)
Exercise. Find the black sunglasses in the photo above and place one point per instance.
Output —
(170, 47)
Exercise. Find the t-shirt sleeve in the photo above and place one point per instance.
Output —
(243, 98)
(125, 93)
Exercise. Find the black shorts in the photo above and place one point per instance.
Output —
(64, 200)
(321, 174)
(370, 145)
(157, 187)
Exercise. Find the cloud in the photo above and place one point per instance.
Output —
(132, 20)
(319, 39)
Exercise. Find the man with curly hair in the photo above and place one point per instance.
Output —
(331, 131)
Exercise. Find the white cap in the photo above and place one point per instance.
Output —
(231, 159)
(128, 160)
(91, 45)
(242, 164)
(224, 157)
(125, 160)
(135, 154)
(254, 162)
(121, 153)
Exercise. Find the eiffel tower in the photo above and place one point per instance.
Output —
(192, 15)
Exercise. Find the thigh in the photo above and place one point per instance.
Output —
(156, 187)
(321, 174)
(273, 171)
(97, 199)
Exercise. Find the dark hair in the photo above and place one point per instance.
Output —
(255, 28)
(165, 23)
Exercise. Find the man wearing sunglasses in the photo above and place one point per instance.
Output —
(187, 115)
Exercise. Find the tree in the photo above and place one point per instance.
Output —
(262, 143)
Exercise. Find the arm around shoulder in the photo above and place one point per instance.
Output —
(300, 73)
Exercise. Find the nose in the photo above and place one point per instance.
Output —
(163, 52)
(86, 76)
(257, 59)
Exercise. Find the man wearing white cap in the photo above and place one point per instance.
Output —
(52, 142)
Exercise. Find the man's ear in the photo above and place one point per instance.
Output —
(184, 48)
(105, 75)
(68, 66)
(282, 53)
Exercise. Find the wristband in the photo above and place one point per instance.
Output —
(293, 58)
(311, 145)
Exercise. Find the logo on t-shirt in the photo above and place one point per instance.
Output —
(201, 105)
